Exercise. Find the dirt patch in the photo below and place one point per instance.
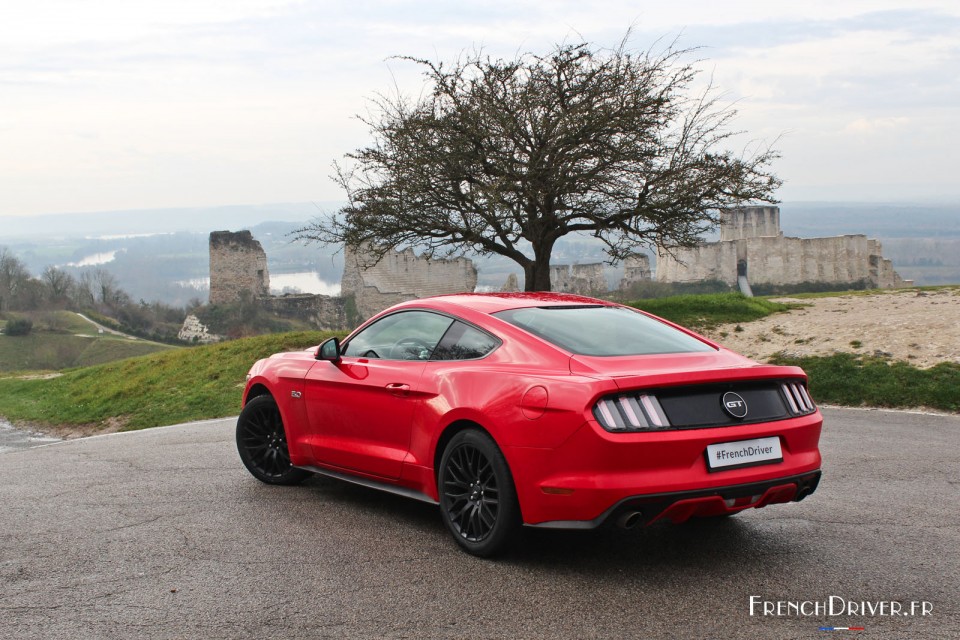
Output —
(72, 431)
(40, 376)
(919, 327)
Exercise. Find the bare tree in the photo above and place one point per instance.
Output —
(59, 283)
(507, 156)
(14, 280)
(84, 296)
(105, 287)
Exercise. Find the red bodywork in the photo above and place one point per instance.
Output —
(384, 422)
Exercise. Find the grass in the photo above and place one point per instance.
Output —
(873, 292)
(842, 379)
(706, 311)
(852, 380)
(42, 351)
(178, 385)
(66, 322)
(62, 340)
(181, 385)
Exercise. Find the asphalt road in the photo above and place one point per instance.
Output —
(12, 439)
(163, 534)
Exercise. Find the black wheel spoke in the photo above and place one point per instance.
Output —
(469, 491)
(457, 472)
(265, 443)
(262, 443)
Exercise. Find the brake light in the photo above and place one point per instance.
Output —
(630, 412)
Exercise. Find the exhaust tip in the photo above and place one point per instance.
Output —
(629, 519)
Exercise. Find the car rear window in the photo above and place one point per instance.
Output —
(602, 331)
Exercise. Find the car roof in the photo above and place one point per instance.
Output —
(501, 301)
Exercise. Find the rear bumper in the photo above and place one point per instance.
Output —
(679, 506)
(594, 472)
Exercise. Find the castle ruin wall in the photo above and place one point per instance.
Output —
(636, 269)
(752, 244)
(400, 276)
(784, 261)
(237, 264)
(749, 222)
(715, 261)
(581, 279)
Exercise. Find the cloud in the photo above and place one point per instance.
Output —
(119, 104)
(870, 126)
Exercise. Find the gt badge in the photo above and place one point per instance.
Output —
(734, 405)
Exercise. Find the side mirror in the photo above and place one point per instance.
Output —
(329, 350)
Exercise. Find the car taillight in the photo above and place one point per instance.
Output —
(797, 397)
(630, 412)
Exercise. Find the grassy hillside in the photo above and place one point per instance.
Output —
(708, 310)
(852, 380)
(62, 340)
(163, 388)
(205, 382)
(181, 385)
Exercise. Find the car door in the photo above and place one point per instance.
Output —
(360, 409)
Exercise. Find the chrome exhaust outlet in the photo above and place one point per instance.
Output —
(629, 519)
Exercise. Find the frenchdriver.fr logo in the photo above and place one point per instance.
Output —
(833, 606)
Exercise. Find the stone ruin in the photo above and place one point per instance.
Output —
(400, 276)
(195, 331)
(582, 279)
(237, 263)
(636, 269)
(753, 250)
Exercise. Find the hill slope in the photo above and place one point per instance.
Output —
(163, 388)
(205, 382)
(61, 340)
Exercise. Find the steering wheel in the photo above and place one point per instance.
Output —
(403, 348)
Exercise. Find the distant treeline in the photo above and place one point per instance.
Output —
(95, 291)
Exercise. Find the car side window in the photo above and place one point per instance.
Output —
(463, 342)
(407, 335)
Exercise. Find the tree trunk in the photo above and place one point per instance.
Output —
(536, 277)
(537, 273)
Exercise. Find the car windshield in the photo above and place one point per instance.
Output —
(602, 331)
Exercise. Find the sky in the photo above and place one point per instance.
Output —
(137, 104)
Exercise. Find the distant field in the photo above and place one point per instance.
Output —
(63, 340)
(177, 385)
(931, 275)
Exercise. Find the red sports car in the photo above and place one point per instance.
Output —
(544, 410)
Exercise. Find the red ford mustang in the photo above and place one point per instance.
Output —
(544, 410)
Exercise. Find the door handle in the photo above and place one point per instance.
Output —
(399, 389)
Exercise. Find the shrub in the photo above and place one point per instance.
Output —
(19, 326)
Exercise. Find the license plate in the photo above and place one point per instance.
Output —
(745, 453)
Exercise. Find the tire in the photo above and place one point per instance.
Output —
(262, 443)
(478, 500)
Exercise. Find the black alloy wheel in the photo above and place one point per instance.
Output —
(262, 443)
(477, 496)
